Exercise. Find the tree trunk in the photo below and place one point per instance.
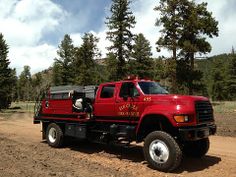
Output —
(174, 77)
(191, 71)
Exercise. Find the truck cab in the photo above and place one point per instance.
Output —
(144, 102)
(130, 110)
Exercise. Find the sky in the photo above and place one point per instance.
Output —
(33, 29)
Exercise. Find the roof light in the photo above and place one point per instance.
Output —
(132, 77)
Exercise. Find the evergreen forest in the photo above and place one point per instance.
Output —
(186, 27)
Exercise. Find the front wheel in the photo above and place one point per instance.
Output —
(54, 135)
(161, 151)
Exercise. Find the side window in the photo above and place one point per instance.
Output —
(128, 89)
(107, 91)
(59, 96)
(56, 96)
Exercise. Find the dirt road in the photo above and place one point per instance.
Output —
(23, 153)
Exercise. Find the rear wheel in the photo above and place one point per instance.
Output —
(54, 135)
(197, 149)
(162, 152)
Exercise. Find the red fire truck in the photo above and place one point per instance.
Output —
(135, 109)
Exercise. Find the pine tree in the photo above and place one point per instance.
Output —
(7, 77)
(63, 74)
(187, 78)
(13, 87)
(142, 65)
(219, 88)
(232, 50)
(185, 25)
(170, 19)
(219, 76)
(120, 23)
(25, 85)
(101, 73)
(232, 78)
(111, 64)
(56, 73)
(37, 85)
(84, 65)
(197, 24)
(159, 69)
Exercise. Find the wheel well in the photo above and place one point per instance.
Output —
(152, 123)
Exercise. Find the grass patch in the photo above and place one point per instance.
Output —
(224, 107)
(22, 106)
(17, 107)
(225, 113)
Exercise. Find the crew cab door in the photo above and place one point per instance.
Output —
(127, 106)
(104, 102)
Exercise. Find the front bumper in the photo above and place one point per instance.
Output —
(196, 133)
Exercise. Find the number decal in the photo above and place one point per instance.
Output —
(147, 99)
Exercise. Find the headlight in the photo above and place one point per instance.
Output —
(181, 118)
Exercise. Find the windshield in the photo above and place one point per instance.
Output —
(152, 88)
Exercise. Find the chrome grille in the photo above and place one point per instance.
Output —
(204, 111)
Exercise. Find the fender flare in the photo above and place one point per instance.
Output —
(151, 111)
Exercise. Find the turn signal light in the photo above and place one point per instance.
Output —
(181, 118)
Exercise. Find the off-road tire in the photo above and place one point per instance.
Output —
(196, 149)
(54, 135)
(167, 141)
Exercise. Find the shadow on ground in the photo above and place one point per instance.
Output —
(134, 153)
(197, 164)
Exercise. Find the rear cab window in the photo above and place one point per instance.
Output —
(59, 96)
(108, 91)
